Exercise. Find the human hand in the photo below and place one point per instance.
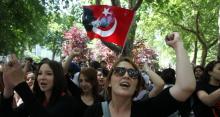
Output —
(173, 39)
(12, 73)
(76, 52)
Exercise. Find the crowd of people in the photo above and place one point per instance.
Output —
(127, 89)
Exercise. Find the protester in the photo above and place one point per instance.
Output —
(156, 81)
(207, 94)
(198, 71)
(103, 64)
(169, 76)
(49, 98)
(88, 87)
(29, 78)
(71, 69)
(94, 64)
(102, 74)
(123, 83)
(86, 90)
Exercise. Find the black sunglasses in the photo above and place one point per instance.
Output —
(120, 71)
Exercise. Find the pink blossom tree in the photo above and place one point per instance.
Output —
(101, 52)
(76, 38)
(142, 53)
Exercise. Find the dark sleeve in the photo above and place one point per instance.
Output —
(62, 107)
(94, 111)
(6, 105)
(164, 104)
(200, 86)
(6, 109)
(73, 88)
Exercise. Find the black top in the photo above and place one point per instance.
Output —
(199, 108)
(65, 106)
(160, 106)
(76, 92)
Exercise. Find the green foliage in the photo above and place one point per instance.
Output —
(160, 17)
(22, 22)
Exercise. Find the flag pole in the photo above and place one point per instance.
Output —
(123, 47)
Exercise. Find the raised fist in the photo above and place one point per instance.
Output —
(12, 73)
(172, 39)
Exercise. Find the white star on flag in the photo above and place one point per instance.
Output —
(106, 12)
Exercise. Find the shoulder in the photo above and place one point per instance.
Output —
(205, 87)
(163, 103)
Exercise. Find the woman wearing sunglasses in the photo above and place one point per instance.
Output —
(123, 83)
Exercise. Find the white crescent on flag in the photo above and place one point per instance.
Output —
(105, 33)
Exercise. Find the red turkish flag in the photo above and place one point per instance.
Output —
(109, 23)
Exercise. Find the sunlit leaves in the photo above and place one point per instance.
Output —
(21, 22)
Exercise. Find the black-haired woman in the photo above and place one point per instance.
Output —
(49, 98)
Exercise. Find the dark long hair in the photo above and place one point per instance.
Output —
(91, 76)
(209, 67)
(59, 86)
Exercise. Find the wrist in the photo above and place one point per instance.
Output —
(179, 45)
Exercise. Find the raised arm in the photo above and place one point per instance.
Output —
(185, 80)
(13, 77)
(12, 70)
(74, 53)
(156, 79)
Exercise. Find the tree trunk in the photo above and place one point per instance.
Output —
(116, 3)
(195, 52)
(129, 43)
(54, 47)
(54, 53)
(97, 2)
(204, 55)
(218, 56)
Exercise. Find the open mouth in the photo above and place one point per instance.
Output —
(125, 84)
(43, 84)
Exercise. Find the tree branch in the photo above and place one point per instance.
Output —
(97, 2)
(130, 5)
(213, 43)
(185, 28)
(137, 5)
(115, 2)
(179, 25)
(198, 32)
